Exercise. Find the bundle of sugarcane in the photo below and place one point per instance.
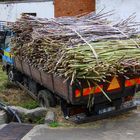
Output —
(92, 27)
(87, 47)
(114, 58)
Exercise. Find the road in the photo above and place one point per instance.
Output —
(124, 127)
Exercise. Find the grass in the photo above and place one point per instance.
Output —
(31, 104)
(3, 79)
(54, 124)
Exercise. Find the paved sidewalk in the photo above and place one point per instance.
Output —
(2, 126)
(124, 127)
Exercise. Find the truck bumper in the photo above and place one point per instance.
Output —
(105, 115)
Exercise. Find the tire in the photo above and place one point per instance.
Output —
(11, 76)
(14, 75)
(46, 99)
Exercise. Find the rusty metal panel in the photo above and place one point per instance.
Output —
(26, 69)
(36, 75)
(73, 7)
(18, 64)
(61, 87)
(47, 81)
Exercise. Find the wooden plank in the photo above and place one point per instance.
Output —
(47, 80)
(61, 87)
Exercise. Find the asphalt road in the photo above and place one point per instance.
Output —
(124, 127)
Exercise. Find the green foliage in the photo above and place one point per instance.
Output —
(30, 104)
(54, 124)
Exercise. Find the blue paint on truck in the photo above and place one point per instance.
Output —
(7, 57)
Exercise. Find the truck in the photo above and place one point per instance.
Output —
(108, 98)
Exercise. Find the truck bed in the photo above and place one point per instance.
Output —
(54, 83)
(80, 91)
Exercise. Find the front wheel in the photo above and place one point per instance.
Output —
(14, 75)
(11, 76)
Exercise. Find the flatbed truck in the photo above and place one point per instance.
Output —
(108, 98)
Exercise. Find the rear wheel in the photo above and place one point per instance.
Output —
(46, 99)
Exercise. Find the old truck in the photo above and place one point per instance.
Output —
(51, 90)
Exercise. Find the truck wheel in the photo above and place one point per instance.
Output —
(11, 75)
(46, 99)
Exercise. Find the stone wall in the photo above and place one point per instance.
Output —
(12, 11)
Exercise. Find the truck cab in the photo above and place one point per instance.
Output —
(7, 59)
(6, 48)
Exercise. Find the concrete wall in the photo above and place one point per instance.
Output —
(123, 8)
(10, 12)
